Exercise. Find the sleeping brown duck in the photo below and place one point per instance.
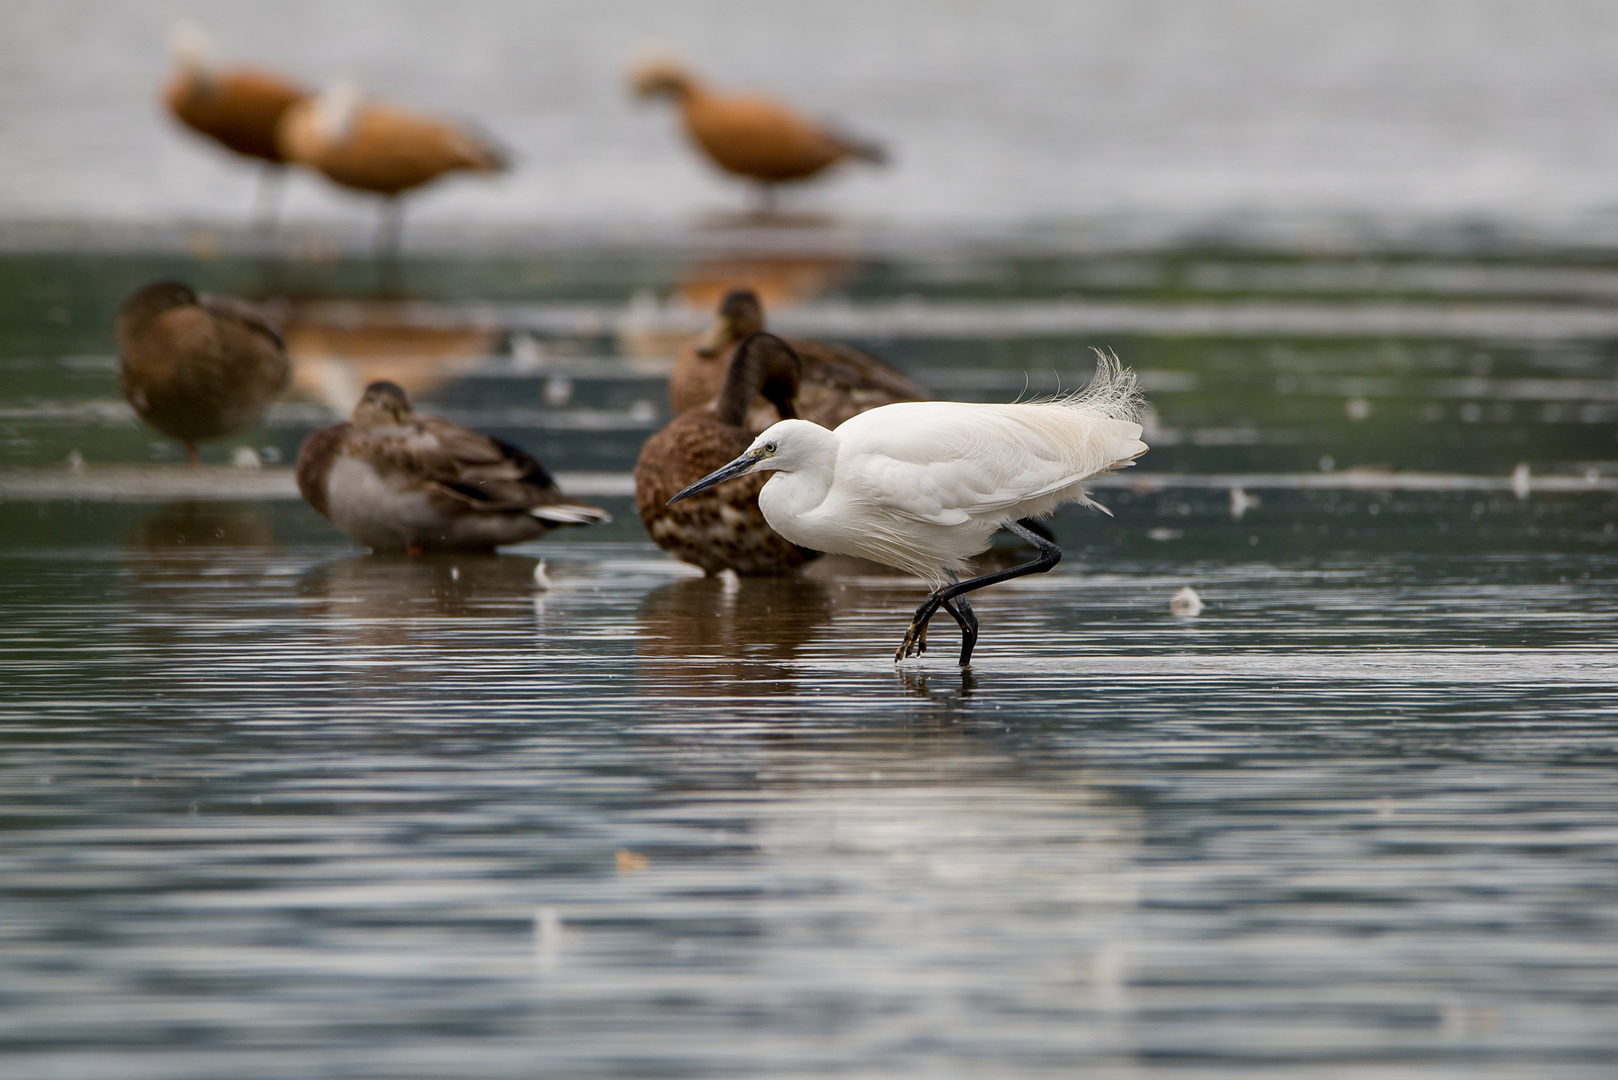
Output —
(197, 367)
(396, 481)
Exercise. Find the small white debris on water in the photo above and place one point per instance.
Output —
(541, 578)
(526, 352)
(1327, 463)
(548, 933)
(643, 412)
(455, 573)
(1163, 534)
(1357, 408)
(558, 391)
(729, 581)
(1240, 503)
(245, 457)
(1186, 603)
(1520, 481)
(75, 461)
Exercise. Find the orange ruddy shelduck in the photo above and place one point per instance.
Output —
(383, 149)
(750, 135)
(240, 108)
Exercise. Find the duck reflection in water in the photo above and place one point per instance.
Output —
(391, 590)
(185, 527)
(728, 635)
(186, 563)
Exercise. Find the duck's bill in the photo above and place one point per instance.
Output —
(715, 340)
(740, 467)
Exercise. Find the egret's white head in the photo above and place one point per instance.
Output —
(787, 446)
(192, 48)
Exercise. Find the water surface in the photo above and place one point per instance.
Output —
(277, 808)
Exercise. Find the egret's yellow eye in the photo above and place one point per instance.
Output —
(769, 448)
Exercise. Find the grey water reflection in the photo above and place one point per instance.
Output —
(284, 810)
(724, 634)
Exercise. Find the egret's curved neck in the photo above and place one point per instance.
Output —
(799, 488)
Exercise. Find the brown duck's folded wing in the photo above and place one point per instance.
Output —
(489, 475)
(854, 369)
(315, 460)
(244, 314)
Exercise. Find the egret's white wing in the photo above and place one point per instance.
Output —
(942, 462)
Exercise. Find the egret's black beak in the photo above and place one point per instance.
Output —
(740, 467)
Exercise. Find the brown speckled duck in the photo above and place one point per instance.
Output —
(721, 528)
(837, 382)
(395, 481)
(239, 108)
(369, 146)
(749, 135)
(197, 367)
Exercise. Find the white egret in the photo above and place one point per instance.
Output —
(923, 486)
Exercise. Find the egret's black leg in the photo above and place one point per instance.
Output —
(951, 596)
(1049, 555)
(967, 620)
(915, 642)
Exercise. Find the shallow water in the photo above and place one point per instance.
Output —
(276, 808)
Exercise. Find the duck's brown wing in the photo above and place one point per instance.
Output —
(854, 369)
(248, 316)
(315, 460)
(489, 475)
(251, 346)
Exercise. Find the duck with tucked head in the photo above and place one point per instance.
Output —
(749, 135)
(370, 146)
(240, 108)
(836, 382)
(197, 367)
(721, 528)
(396, 481)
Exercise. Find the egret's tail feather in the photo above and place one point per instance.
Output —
(570, 514)
(1114, 392)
